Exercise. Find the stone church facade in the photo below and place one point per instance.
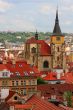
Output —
(38, 53)
(45, 57)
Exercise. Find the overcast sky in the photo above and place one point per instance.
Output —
(29, 15)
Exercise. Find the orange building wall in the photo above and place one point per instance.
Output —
(55, 41)
(30, 87)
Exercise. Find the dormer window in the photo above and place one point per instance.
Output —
(20, 65)
(31, 72)
(5, 74)
(53, 97)
(25, 73)
(17, 73)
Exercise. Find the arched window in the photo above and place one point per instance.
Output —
(33, 50)
(58, 58)
(45, 64)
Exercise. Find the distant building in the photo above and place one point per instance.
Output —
(19, 77)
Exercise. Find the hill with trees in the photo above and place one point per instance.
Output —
(21, 36)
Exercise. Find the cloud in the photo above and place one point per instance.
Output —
(67, 5)
(22, 25)
(67, 2)
(23, 15)
(68, 22)
(47, 8)
(4, 6)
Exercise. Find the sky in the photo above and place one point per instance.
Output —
(29, 15)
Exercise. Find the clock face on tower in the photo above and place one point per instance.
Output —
(58, 38)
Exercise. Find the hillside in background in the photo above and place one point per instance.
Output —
(21, 36)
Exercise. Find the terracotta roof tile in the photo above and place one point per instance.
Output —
(21, 68)
(11, 93)
(40, 104)
(3, 67)
(50, 76)
(57, 89)
(23, 106)
(68, 77)
(45, 48)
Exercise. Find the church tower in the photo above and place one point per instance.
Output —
(57, 46)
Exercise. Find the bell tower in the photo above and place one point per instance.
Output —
(57, 45)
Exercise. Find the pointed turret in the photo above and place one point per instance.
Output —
(36, 35)
(57, 30)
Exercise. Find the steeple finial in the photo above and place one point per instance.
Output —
(57, 30)
(57, 14)
(36, 35)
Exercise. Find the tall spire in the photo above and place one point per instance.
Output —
(57, 30)
(57, 15)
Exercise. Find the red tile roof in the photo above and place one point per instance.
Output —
(68, 77)
(66, 108)
(70, 68)
(23, 68)
(57, 89)
(21, 106)
(40, 104)
(11, 93)
(70, 63)
(31, 40)
(45, 48)
(3, 67)
(50, 76)
(54, 89)
(20, 67)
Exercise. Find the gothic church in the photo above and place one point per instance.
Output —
(45, 57)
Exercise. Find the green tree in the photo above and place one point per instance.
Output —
(68, 98)
(40, 81)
